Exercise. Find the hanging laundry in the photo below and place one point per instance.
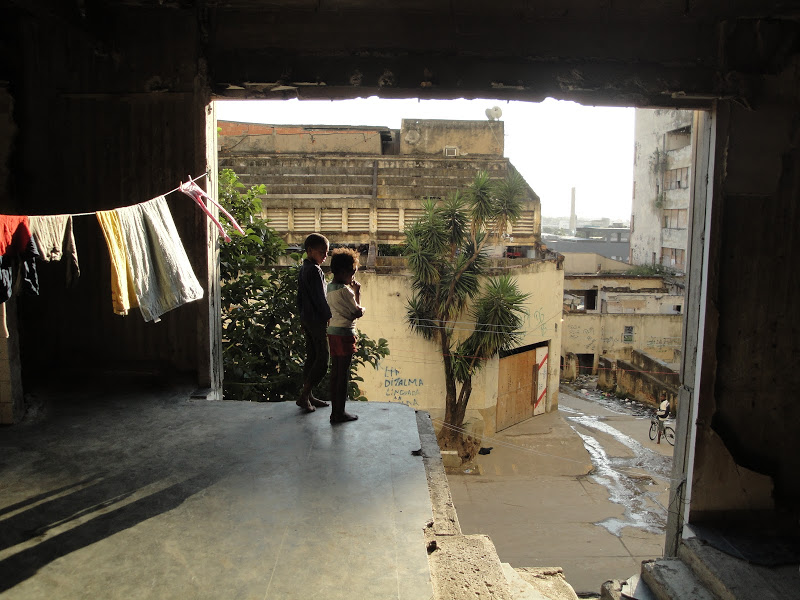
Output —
(196, 193)
(163, 278)
(123, 298)
(10, 232)
(54, 239)
(18, 254)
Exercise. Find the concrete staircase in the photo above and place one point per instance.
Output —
(701, 572)
(390, 177)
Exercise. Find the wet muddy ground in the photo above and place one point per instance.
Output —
(583, 488)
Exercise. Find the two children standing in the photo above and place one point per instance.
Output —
(328, 319)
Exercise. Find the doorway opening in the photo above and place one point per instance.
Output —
(357, 179)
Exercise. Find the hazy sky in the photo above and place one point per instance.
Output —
(556, 145)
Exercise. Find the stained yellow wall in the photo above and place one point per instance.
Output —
(587, 262)
(413, 373)
(657, 335)
(431, 136)
(574, 282)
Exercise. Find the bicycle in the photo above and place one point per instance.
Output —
(657, 427)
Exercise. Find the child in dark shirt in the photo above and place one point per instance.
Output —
(314, 317)
(344, 299)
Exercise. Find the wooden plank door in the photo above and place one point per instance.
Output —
(517, 385)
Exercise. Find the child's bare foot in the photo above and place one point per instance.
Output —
(343, 418)
(317, 402)
(305, 405)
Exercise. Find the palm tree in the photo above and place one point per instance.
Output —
(446, 250)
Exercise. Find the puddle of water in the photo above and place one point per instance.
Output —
(629, 490)
(625, 490)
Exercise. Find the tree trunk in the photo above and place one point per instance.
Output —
(448, 436)
(455, 410)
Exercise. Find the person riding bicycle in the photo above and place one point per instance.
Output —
(663, 409)
(658, 427)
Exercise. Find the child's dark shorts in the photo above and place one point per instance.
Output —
(342, 345)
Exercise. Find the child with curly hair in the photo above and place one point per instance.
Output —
(344, 299)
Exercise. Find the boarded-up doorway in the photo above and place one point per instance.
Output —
(522, 387)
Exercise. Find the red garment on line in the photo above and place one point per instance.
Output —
(9, 224)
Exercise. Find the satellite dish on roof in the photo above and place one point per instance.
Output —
(494, 113)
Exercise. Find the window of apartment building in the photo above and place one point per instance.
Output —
(678, 138)
(675, 218)
(358, 219)
(673, 257)
(278, 218)
(676, 179)
(591, 300)
(627, 334)
(330, 219)
(525, 223)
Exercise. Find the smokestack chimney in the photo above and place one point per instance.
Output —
(573, 218)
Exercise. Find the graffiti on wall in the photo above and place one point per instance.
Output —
(538, 321)
(583, 339)
(661, 343)
(401, 388)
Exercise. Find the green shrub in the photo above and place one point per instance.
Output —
(263, 347)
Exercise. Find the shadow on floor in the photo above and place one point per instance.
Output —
(144, 491)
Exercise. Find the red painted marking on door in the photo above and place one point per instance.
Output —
(544, 359)
(540, 398)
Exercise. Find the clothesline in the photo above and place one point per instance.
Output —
(177, 189)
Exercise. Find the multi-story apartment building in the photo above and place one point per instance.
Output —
(364, 185)
(660, 215)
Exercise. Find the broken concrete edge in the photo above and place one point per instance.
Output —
(670, 578)
(548, 582)
(611, 590)
(464, 567)
(445, 519)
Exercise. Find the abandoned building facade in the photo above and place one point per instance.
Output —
(661, 196)
(110, 103)
(363, 186)
(614, 322)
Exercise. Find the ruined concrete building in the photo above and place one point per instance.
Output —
(661, 196)
(362, 185)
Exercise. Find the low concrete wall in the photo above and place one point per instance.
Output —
(643, 384)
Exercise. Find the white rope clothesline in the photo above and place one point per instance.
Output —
(191, 179)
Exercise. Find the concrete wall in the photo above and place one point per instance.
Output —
(10, 385)
(647, 232)
(252, 138)
(413, 372)
(588, 262)
(431, 137)
(645, 382)
(624, 302)
(605, 335)
(619, 282)
(99, 128)
(747, 453)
